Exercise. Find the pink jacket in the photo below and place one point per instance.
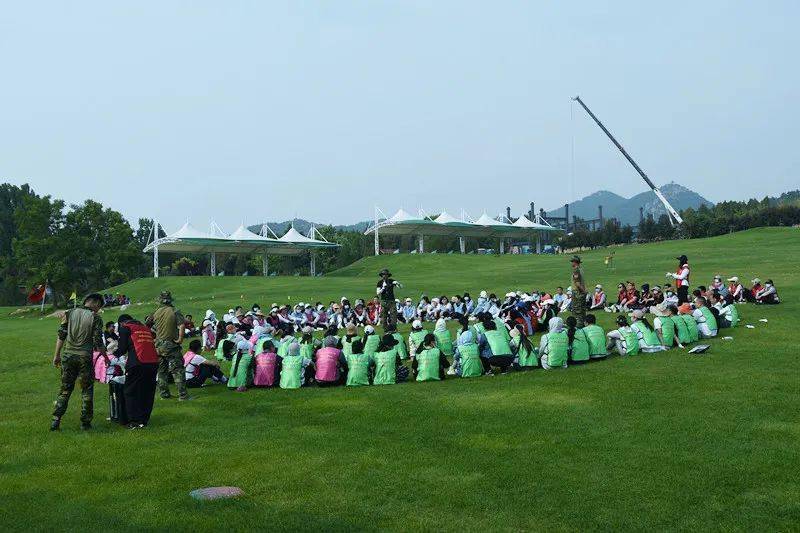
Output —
(327, 364)
(265, 370)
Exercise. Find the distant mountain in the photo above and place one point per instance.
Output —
(303, 226)
(626, 210)
(614, 205)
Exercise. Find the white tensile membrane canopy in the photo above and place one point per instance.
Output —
(403, 223)
(189, 239)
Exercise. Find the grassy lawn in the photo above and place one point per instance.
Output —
(666, 441)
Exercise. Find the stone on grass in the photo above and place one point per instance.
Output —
(216, 493)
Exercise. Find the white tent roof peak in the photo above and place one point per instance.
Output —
(187, 231)
(401, 216)
(445, 217)
(525, 222)
(244, 234)
(486, 220)
(295, 236)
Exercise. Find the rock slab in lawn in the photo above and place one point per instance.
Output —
(216, 493)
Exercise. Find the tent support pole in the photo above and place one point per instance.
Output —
(313, 265)
(502, 246)
(421, 243)
(538, 242)
(213, 263)
(377, 238)
(265, 263)
(462, 245)
(155, 248)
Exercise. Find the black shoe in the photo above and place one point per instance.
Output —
(85, 426)
(55, 425)
(166, 396)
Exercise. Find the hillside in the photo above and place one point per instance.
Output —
(627, 209)
(434, 274)
(630, 443)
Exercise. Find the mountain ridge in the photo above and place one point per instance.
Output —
(626, 210)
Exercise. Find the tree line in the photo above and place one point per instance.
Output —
(90, 247)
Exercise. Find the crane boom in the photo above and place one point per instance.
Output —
(673, 214)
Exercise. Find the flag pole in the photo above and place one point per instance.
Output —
(44, 296)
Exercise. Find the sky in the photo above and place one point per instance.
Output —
(264, 111)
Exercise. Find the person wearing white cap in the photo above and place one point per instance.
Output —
(566, 303)
(735, 289)
(768, 294)
(408, 311)
(370, 340)
(546, 311)
(469, 304)
(416, 337)
(482, 305)
(648, 338)
(598, 298)
(718, 285)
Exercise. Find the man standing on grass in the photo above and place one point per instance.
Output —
(385, 292)
(80, 333)
(169, 336)
(578, 306)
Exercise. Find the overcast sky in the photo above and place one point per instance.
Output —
(254, 111)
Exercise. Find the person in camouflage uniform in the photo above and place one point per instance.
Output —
(79, 335)
(578, 306)
(168, 337)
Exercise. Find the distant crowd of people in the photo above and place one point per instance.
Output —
(338, 344)
(114, 300)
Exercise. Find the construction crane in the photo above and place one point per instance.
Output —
(674, 217)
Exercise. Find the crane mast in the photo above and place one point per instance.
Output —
(674, 217)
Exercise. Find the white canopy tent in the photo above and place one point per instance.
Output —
(189, 239)
(403, 223)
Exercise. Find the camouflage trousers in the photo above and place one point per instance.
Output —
(76, 367)
(578, 308)
(170, 361)
(388, 313)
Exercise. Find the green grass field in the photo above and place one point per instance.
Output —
(667, 441)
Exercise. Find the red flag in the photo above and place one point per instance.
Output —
(36, 294)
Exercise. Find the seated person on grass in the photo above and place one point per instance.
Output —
(649, 342)
(596, 337)
(578, 342)
(241, 373)
(296, 370)
(554, 345)
(387, 366)
(267, 366)
(670, 329)
(429, 364)
(330, 364)
(623, 339)
(199, 369)
(522, 348)
(706, 322)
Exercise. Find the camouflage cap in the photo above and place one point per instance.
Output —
(165, 297)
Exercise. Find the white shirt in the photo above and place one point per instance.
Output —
(194, 364)
(702, 326)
